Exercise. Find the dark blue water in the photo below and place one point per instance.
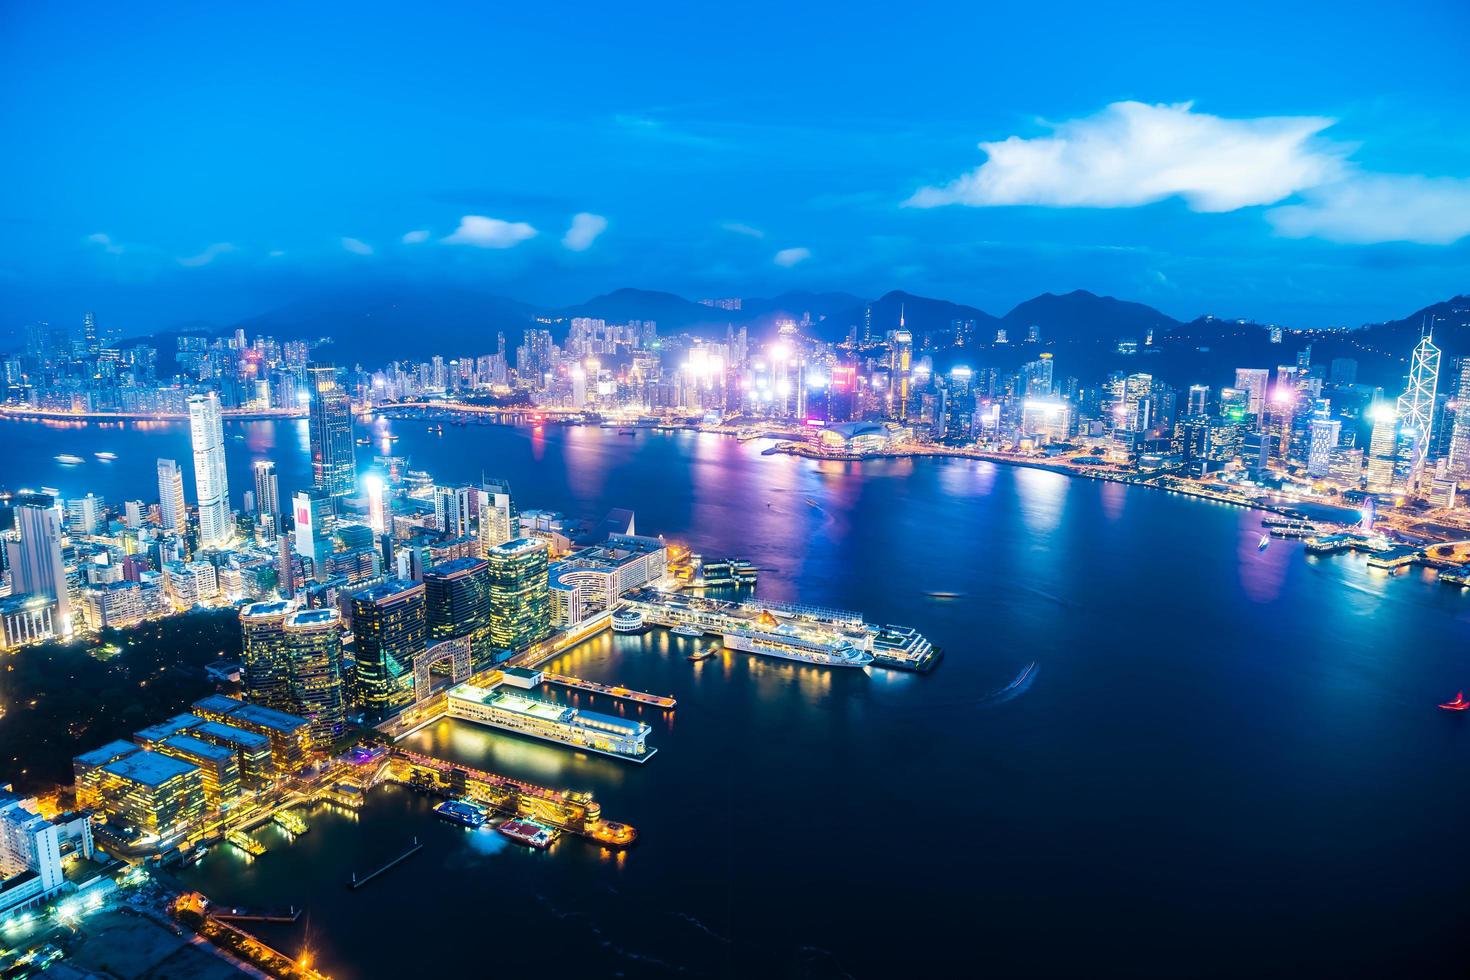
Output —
(1225, 761)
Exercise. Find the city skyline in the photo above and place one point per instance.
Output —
(794, 167)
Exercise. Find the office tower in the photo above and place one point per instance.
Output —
(900, 359)
(285, 568)
(333, 453)
(1199, 397)
(1383, 449)
(171, 512)
(314, 527)
(36, 565)
(1254, 381)
(84, 514)
(267, 500)
(377, 508)
(390, 624)
(520, 601)
(1137, 403)
(266, 678)
(1416, 406)
(457, 602)
(314, 672)
(452, 510)
(206, 430)
(133, 511)
(89, 334)
(161, 797)
(1344, 371)
(1459, 461)
(1324, 434)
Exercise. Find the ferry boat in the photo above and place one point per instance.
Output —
(462, 812)
(687, 630)
(529, 832)
(944, 595)
(106, 456)
(1459, 704)
(704, 654)
(69, 459)
(364, 442)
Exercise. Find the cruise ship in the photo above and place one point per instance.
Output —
(495, 705)
(786, 643)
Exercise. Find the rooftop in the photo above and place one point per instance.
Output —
(148, 768)
(105, 754)
(233, 735)
(190, 745)
(162, 730)
(270, 718)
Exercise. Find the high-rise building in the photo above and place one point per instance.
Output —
(1324, 435)
(1383, 450)
(171, 511)
(266, 674)
(1416, 407)
(390, 626)
(1255, 381)
(520, 601)
(211, 483)
(1459, 461)
(267, 500)
(457, 598)
(36, 564)
(1199, 397)
(333, 453)
(452, 510)
(314, 670)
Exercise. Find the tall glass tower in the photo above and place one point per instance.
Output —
(206, 429)
(333, 453)
(388, 621)
(520, 594)
(1416, 405)
(171, 510)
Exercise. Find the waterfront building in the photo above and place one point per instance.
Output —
(206, 431)
(289, 735)
(498, 520)
(154, 799)
(172, 515)
(36, 564)
(458, 603)
(293, 662)
(493, 703)
(390, 627)
(333, 453)
(520, 601)
(452, 510)
(218, 766)
(252, 751)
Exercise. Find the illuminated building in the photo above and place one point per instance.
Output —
(171, 510)
(314, 671)
(1047, 419)
(1416, 407)
(854, 437)
(457, 600)
(36, 564)
(452, 510)
(1324, 435)
(156, 799)
(1459, 455)
(265, 653)
(377, 511)
(315, 521)
(1383, 450)
(1199, 397)
(252, 751)
(289, 735)
(333, 453)
(31, 849)
(211, 483)
(520, 600)
(219, 769)
(267, 501)
(1253, 381)
(26, 619)
(390, 628)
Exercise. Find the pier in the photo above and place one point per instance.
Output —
(637, 697)
(358, 881)
(255, 915)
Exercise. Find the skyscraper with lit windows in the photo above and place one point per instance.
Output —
(333, 453)
(206, 431)
(520, 597)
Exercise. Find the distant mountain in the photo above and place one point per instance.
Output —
(920, 314)
(672, 313)
(794, 304)
(372, 327)
(1080, 315)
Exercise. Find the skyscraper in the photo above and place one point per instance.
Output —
(206, 429)
(1459, 461)
(264, 655)
(267, 500)
(333, 453)
(390, 625)
(314, 672)
(36, 565)
(520, 598)
(171, 510)
(457, 597)
(1416, 407)
(1255, 381)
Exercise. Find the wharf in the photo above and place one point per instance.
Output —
(637, 697)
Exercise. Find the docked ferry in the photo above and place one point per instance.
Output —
(687, 630)
(785, 643)
(462, 812)
(529, 832)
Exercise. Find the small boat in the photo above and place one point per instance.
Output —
(812, 503)
(944, 595)
(1459, 704)
(462, 812)
(69, 459)
(364, 442)
(1265, 542)
(106, 456)
(704, 654)
(529, 832)
(687, 631)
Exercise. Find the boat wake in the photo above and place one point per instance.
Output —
(1015, 688)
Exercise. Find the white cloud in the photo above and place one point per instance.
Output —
(788, 257)
(207, 256)
(1132, 154)
(584, 231)
(276, 253)
(1380, 208)
(416, 237)
(741, 228)
(357, 246)
(108, 245)
(485, 232)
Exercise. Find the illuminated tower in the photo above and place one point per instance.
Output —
(36, 564)
(520, 596)
(388, 621)
(1416, 405)
(333, 453)
(267, 500)
(457, 597)
(171, 510)
(206, 430)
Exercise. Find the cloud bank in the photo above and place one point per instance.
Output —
(357, 246)
(416, 237)
(788, 257)
(207, 256)
(584, 231)
(483, 232)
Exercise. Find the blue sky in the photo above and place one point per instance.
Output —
(1304, 163)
